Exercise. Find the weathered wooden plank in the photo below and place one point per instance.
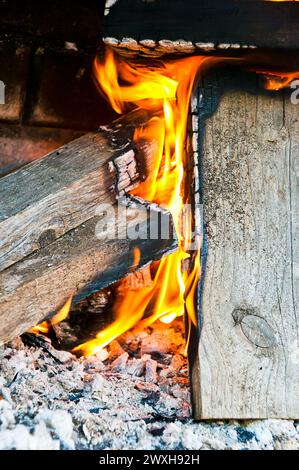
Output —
(50, 215)
(47, 198)
(79, 263)
(237, 22)
(247, 362)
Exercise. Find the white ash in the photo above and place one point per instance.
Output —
(118, 399)
(130, 47)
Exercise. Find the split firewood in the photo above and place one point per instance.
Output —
(50, 245)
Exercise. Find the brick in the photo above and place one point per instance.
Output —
(67, 96)
(13, 72)
(21, 144)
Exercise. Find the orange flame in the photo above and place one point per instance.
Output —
(278, 80)
(61, 315)
(167, 87)
(136, 256)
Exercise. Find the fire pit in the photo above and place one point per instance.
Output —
(153, 257)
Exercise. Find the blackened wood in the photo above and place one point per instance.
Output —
(85, 320)
(247, 22)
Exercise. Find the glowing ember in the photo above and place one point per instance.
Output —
(167, 87)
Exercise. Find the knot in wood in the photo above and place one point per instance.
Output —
(255, 328)
(46, 237)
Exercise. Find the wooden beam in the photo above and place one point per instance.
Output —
(246, 365)
(53, 219)
(264, 24)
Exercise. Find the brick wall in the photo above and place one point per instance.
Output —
(46, 56)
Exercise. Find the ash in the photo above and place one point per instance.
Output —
(132, 395)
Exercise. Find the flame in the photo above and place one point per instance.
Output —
(41, 328)
(167, 88)
(136, 258)
(61, 315)
(276, 81)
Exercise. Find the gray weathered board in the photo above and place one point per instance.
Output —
(53, 214)
(247, 364)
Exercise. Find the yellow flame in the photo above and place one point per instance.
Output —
(278, 80)
(61, 315)
(165, 88)
(168, 88)
(41, 328)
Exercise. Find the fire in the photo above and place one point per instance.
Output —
(164, 88)
(278, 80)
(167, 88)
(61, 315)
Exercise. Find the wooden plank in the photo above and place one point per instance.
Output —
(79, 263)
(51, 212)
(247, 362)
(47, 198)
(245, 22)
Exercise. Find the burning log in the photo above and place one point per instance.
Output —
(44, 200)
(85, 319)
(55, 243)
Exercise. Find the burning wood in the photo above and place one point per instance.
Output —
(173, 294)
(167, 89)
(53, 250)
(52, 243)
(245, 365)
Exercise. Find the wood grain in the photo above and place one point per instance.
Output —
(47, 198)
(79, 264)
(247, 364)
(53, 214)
